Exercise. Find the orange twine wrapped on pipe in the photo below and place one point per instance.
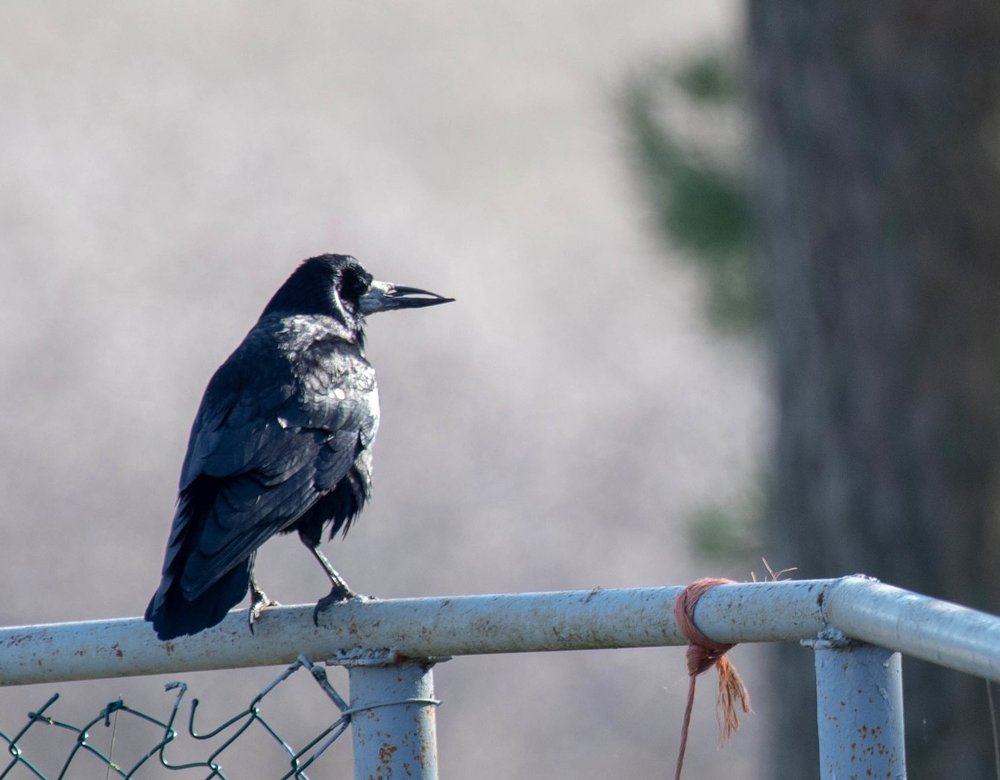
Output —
(702, 654)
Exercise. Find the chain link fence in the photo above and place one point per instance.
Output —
(120, 740)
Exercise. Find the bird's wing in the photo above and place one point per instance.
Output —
(271, 437)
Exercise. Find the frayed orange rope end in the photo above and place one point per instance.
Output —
(732, 691)
(702, 654)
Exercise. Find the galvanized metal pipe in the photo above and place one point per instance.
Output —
(859, 710)
(938, 631)
(526, 622)
(392, 721)
(415, 628)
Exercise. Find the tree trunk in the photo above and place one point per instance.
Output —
(878, 197)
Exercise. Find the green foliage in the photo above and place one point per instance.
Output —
(722, 535)
(685, 127)
(699, 202)
(733, 533)
(708, 78)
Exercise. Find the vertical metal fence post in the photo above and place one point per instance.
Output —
(392, 721)
(859, 696)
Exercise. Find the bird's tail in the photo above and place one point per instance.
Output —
(172, 615)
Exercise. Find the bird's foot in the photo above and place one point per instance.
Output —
(338, 593)
(258, 603)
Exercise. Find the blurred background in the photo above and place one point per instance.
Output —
(726, 288)
(562, 426)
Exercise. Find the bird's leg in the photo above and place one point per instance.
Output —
(339, 586)
(258, 601)
(339, 590)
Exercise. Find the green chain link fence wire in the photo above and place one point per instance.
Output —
(228, 734)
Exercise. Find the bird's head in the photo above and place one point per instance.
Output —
(339, 286)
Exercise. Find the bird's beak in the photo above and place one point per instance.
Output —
(382, 296)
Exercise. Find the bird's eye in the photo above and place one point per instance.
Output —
(354, 283)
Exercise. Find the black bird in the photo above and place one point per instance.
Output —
(282, 442)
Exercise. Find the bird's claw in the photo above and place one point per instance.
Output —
(336, 595)
(257, 607)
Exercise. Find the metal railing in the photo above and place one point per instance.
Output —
(857, 627)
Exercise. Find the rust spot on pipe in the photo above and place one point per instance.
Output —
(385, 753)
